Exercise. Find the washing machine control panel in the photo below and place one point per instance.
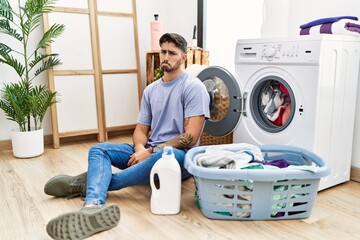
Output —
(279, 51)
(306, 52)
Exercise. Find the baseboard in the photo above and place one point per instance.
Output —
(6, 144)
(355, 174)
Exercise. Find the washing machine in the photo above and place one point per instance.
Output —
(298, 91)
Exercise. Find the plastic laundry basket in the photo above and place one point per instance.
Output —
(258, 194)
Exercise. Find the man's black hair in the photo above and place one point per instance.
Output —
(176, 39)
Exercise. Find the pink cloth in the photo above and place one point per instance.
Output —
(286, 114)
(278, 121)
(284, 90)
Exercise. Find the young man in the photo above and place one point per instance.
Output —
(173, 109)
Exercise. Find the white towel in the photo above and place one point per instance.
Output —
(232, 156)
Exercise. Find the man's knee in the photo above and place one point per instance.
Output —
(100, 147)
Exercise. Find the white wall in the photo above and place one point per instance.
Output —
(226, 22)
(308, 10)
(275, 15)
(283, 17)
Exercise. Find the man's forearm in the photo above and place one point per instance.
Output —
(139, 139)
(139, 142)
(182, 141)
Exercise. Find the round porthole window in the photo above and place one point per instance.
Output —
(225, 104)
(219, 95)
(272, 104)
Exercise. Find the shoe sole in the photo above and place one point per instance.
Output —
(80, 225)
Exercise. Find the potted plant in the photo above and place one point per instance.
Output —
(23, 101)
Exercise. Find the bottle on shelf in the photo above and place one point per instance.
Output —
(156, 31)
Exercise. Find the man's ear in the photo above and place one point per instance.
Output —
(183, 57)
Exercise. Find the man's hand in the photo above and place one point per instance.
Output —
(139, 156)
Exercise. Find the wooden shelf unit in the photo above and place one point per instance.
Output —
(95, 68)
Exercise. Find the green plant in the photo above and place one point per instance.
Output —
(22, 101)
(159, 72)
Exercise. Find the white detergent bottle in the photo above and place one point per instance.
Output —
(166, 195)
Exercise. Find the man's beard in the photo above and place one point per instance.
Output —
(173, 68)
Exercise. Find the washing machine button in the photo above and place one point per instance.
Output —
(269, 52)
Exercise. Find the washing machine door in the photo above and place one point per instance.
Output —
(225, 100)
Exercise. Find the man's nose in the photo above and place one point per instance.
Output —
(166, 55)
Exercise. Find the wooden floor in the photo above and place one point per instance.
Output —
(25, 209)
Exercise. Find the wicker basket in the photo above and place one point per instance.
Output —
(207, 139)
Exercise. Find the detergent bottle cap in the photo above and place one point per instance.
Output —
(168, 151)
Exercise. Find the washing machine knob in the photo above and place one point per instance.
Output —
(269, 52)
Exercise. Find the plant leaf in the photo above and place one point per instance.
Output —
(33, 10)
(4, 49)
(7, 29)
(14, 63)
(40, 99)
(53, 32)
(14, 103)
(41, 57)
(31, 24)
(6, 10)
(49, 63)
(38, 7)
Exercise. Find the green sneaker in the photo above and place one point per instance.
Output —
(66, 186)
(84, 223)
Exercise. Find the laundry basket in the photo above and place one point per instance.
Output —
(258, 194)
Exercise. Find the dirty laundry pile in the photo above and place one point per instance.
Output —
(276, 103)
(247, 156)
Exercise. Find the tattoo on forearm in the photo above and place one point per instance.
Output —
(181, 142)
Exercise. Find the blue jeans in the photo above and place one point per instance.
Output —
(100, 179)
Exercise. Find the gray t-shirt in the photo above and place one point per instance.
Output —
(165, 105)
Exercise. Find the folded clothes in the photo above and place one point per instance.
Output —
(341, 27)
(326, 20)
(353, 27)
